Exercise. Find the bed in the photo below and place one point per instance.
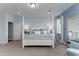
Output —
(38, 39)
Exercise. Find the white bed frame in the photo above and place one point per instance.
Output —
(41, 41)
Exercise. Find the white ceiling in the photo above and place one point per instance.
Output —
(40, 12)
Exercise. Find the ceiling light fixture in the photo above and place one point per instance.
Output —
(33, 5)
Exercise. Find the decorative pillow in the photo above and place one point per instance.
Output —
(44, 32)
(37, 32)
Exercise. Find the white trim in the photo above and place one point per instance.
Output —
(62, 24)
(23, 28)
(3, 42)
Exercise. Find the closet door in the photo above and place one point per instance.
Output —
(17, 31)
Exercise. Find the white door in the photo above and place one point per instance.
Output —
(17, 31)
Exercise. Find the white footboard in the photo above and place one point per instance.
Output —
(31, 42)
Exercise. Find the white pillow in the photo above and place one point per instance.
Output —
(37, 32)
(45, 32)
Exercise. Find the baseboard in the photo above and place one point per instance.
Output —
(61, 42)
(17, 39)
(3, 42)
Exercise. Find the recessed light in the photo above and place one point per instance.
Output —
(49, 12)
(18, 12)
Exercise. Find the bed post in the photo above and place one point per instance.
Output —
(22, 31)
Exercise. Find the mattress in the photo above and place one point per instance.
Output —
(39, 36)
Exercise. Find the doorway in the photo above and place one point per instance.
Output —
(10, 31)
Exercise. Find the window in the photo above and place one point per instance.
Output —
(78, 34)
(58, 26)
(70, 33)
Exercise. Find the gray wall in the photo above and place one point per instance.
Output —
(39, 22)
(3, 29)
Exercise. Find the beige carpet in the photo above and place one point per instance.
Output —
(14, 49)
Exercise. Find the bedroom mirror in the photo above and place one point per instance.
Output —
(73, 28)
